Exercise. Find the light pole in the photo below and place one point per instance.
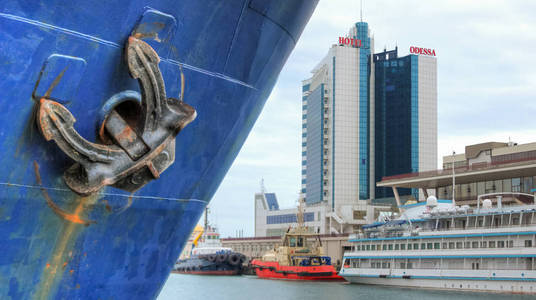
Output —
(453, 181)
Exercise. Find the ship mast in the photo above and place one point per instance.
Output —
(299, 215)
(206, 218)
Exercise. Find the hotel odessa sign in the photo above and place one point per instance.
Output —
(423, 51)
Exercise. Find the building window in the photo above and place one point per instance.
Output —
(390, 246)
(410, 246)
(475, 244)
(359, 214)
(403, 247)
(528, 243)
(397, 247)
(436, 245)
(491, 244)
(459, 245)
(516, 184)
(423, 246)
(451, 245)
(500, 244)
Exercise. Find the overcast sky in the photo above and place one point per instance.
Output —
(486, 54)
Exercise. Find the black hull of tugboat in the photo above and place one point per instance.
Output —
(215, 264)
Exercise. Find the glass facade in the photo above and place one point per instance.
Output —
(315, 156)
(364, 96)
(289, 218)
(271, 199)
(470, 191)
(396, 118)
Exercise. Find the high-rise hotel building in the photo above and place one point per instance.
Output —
(337, 144)
(366, 116)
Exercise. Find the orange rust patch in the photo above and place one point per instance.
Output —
(47, 266)
(107, 206)
(74, 217)
(127, 134)
(64, 265)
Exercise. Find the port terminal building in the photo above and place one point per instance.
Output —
(492, 167)
(484, 168)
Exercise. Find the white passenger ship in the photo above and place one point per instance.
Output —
(435, 244)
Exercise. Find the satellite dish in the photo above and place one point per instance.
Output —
(431, 201)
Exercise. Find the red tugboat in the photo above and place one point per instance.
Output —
(299, 258)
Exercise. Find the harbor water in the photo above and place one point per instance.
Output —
(179, 286)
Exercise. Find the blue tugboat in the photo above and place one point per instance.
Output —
(209, 257)
(118, 122)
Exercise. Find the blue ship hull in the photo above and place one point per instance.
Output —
(113, 244)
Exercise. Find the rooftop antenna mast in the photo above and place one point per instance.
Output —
(263, 189)
(361, 10)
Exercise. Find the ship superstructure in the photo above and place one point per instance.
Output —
(435, 244)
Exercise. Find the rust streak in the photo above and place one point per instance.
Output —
(59, 258)
(74, 217)
(107, 206)
(54, 83)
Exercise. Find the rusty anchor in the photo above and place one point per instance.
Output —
(136, 151)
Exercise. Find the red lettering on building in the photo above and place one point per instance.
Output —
(423, 51)
(349, 41)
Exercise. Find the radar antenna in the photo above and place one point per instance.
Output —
(299, 215)
(263, 189)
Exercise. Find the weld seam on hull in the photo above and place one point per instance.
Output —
(116, 45)
(102, 193)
